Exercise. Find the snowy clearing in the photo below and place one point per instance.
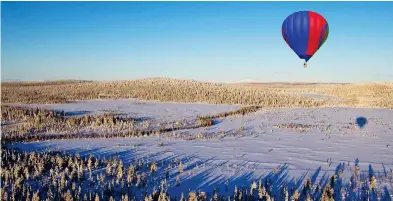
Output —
(156, 111)
(303, 142)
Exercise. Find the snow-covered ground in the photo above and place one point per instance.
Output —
(302, 142)
(156, 111)
(318, 122)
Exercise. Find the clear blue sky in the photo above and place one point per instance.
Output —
(212, 41)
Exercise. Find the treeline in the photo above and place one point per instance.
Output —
(44, 83)
(173, 90)
(39, 115)
(36, 124)
(53, 176)
(209, 120)
(24, 124)
(19, 113)
(163, 90)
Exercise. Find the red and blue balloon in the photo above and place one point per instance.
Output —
(305, 32)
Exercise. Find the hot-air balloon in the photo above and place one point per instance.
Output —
(305, 32)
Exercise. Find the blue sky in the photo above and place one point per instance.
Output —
(209, 41)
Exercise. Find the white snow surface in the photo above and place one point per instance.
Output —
(156, 111)
(334, 140)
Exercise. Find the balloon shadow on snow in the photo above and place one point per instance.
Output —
(361, 121)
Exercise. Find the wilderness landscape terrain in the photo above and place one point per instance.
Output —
(170, 139)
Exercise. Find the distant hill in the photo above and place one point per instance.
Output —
(40, 83)
(15, 82)
(286, 83)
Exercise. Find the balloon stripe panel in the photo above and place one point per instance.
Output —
(296, 30)
(317, 22)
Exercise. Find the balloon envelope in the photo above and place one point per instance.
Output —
(361, 121)
(305, 32)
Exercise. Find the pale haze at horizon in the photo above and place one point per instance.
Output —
(208, 41)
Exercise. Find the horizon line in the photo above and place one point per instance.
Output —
(234, 82)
